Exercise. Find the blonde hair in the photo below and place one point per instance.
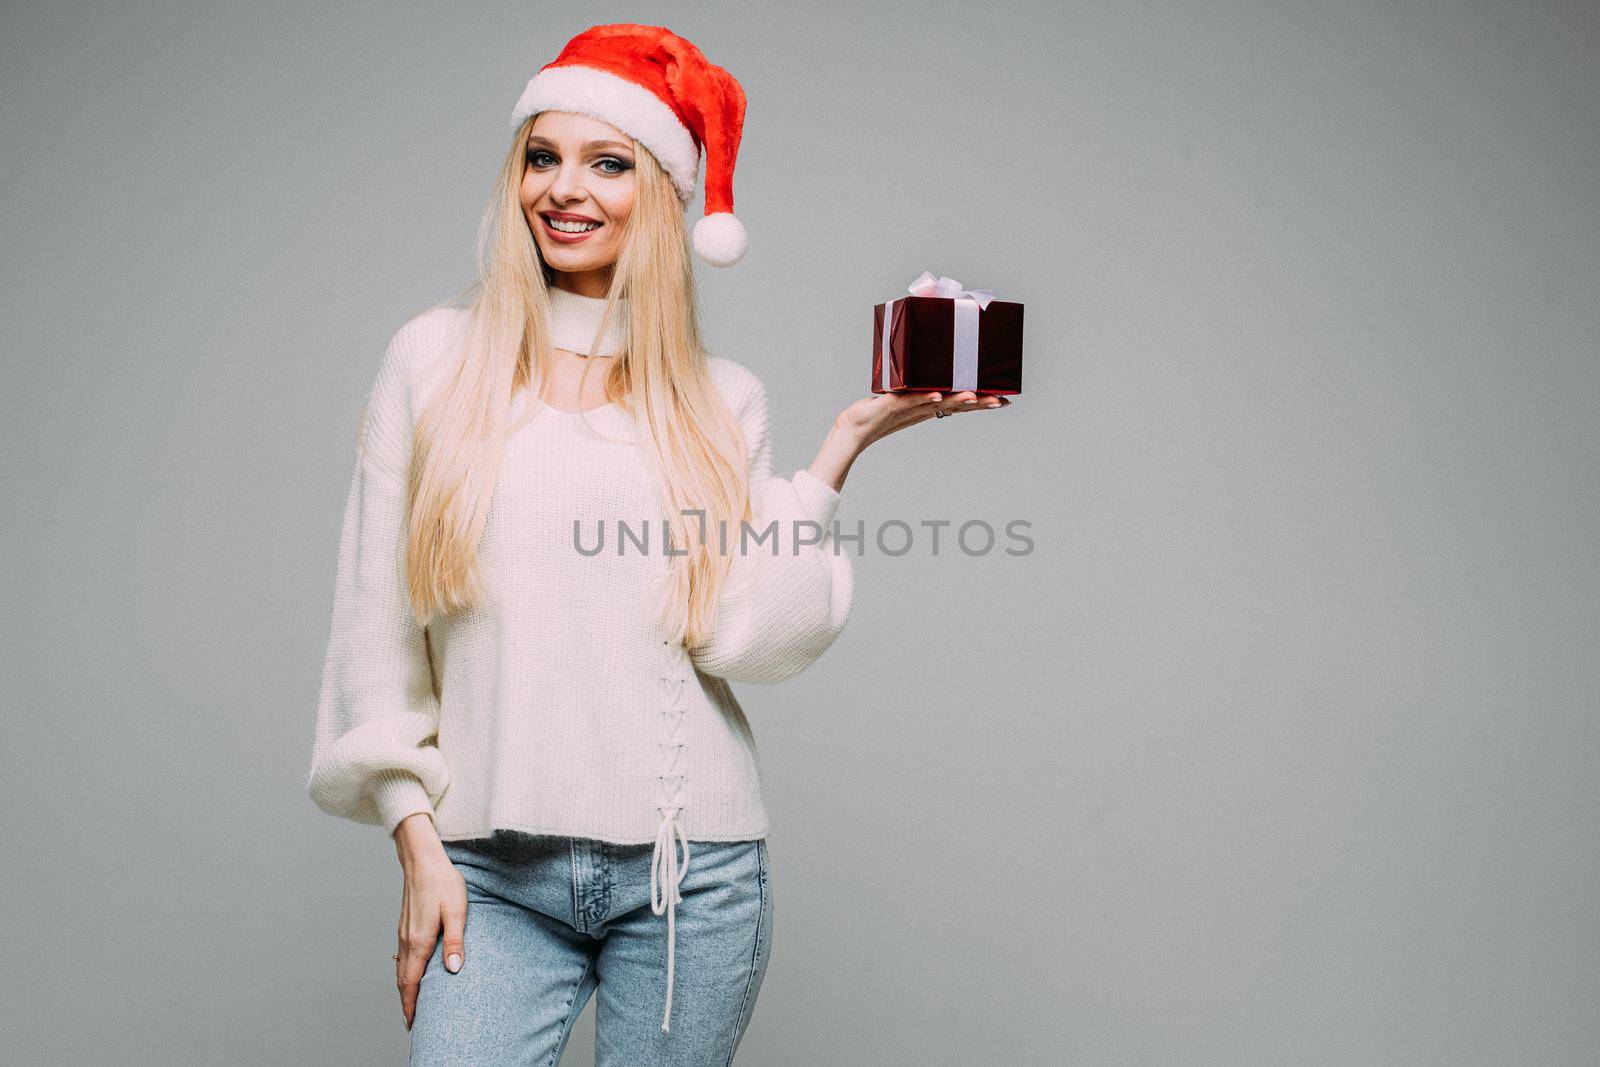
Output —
(661, 377)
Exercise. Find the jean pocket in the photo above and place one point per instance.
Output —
(471, 846)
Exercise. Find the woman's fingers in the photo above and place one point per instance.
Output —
(400, 932)
(400, 951)
(415, 949)
(455, 929)
(986, 403)
(885, 413)
(434, 900)
(968, 401)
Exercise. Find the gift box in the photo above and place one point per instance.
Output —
(947, 338)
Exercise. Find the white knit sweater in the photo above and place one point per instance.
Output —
(556, 705)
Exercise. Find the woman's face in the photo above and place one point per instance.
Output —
(580, 170)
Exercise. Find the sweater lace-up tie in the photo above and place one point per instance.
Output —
(666, 873)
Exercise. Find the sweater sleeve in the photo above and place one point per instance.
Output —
(375, 757)
(789, 589)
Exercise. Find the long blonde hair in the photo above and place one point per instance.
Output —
(661, 377)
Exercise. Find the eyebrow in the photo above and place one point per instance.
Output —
(588, 146)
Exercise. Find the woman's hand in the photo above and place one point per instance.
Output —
(435, 897)
(876, 417)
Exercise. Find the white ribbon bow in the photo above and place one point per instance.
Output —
(964, 351)
(927, 285)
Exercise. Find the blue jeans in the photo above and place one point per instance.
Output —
(550, 920)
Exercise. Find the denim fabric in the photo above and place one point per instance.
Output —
(551, 920)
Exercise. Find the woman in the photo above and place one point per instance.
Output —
(547, 730)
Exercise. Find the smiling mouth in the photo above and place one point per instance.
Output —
(569, 227)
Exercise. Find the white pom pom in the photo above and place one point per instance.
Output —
(720, 239)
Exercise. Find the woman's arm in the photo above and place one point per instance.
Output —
(787, 593)
(374, 756)
(788, 597)
(875, 417)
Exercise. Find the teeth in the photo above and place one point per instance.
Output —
(571, 227)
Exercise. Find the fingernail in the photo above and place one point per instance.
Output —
(454, 962)
(934, 398)
(974, 400)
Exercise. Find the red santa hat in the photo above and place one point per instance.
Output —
(661, 90)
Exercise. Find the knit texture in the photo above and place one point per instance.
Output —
(574, 321)
(557, 705)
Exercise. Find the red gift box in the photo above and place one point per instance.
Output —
(947, 338)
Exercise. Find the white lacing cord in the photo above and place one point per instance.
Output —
(666, 874)
(664, 870)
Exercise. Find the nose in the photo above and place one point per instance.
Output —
(568, 184)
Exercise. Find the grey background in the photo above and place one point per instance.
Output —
(1280, 747)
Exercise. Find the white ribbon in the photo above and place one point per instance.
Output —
(927, 285)
(964, 358)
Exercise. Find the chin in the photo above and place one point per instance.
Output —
(589, 259)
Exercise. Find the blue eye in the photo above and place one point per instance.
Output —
(620, 167)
